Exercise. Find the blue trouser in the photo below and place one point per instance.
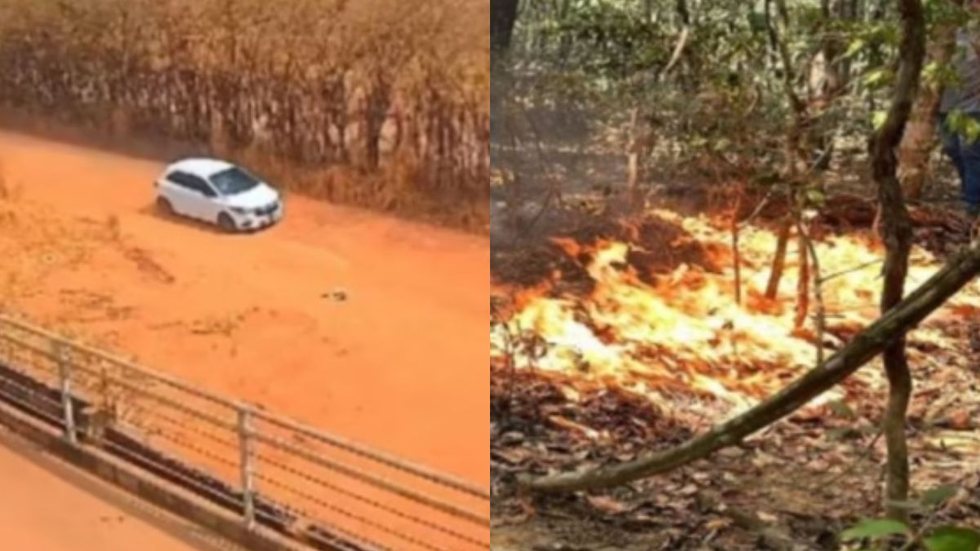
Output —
(965, 156)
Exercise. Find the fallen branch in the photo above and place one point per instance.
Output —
(960, 270)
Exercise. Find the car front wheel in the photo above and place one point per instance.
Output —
(226, 223)
(164, 207)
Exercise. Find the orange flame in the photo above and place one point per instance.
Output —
(684, 331)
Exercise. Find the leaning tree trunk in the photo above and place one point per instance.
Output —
(896, 231)
(920, 133)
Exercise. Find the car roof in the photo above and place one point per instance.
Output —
(201, 166)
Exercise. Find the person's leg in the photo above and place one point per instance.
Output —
(951, 147)
(970, 154)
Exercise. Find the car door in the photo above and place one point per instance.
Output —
(181, 193)
(200, 199)
(204, 204)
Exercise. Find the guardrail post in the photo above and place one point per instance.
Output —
(246, 465)
(64, 376)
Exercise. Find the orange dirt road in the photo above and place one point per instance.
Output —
(49, 506)
(400, 365)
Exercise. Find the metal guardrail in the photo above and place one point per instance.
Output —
(318, 489)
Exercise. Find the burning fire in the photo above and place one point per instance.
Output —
(685, 331)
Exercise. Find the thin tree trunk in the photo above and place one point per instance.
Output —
(824, 83)
(634, 159)
(797, 140)
(803, 283)
(920, 133)
(796, 134)
(638, 154)
(779, 259)
(896, 229)
(821, 313)
(736, 252)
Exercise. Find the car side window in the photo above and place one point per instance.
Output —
(198, 184)
(181, 179)
(191, 182)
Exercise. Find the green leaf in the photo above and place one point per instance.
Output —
(877, 78)
(951, 538)
(874, 529)
(971, 130)
(955, 120)
(855, 47)
(878, 119)
(817, 198)
(938, 495)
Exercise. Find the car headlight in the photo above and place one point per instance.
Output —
(238, 210)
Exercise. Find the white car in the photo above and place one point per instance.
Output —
(218, 192)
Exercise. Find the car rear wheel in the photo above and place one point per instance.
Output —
(164, 207)
(226, 223)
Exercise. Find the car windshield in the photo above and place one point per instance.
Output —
(233, 181)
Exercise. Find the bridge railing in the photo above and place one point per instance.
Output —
(316, 488)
